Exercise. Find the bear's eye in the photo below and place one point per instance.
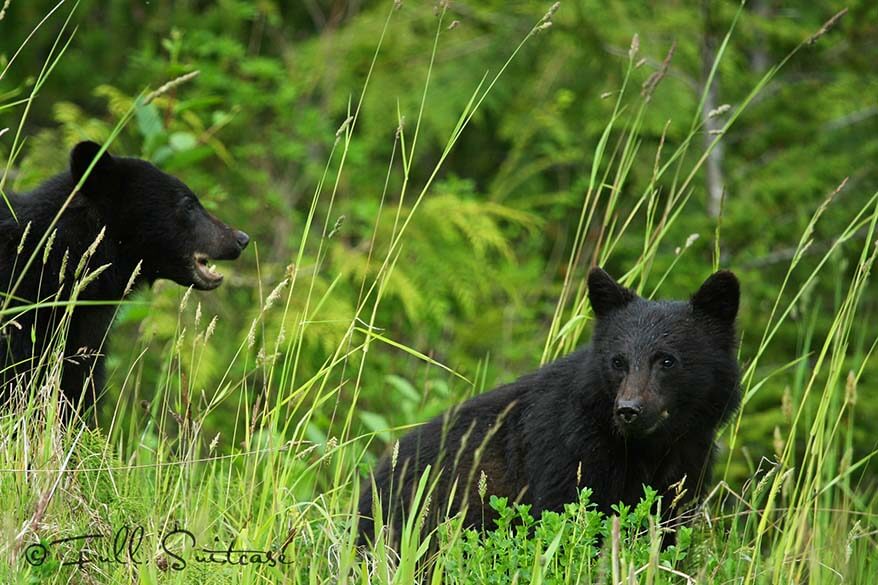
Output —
(618, 362)
(667, 361)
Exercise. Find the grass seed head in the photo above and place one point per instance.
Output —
(779, 443)
(338, 223)
(178, 346)
(89, 252)
(211, 327)
(344, 126)
(650, 85)
(827, 26)
(24, 235)
(49, 243)
(394, 457)
(854, 534)
(63, 269)
(281, 336)
(275, 294)
(635, 46)
(719, 111)
(92, 276)
(425, 511)
(133, 279)
(552, 10)
(185, 300)
(174, 83)
(679, 492)
(251, 334)
(850, 389)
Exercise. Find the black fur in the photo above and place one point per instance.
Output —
(639, 405)
(149, 216)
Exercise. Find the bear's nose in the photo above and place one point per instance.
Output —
(242, 239)
(628, 410)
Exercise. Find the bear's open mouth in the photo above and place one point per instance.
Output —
(205, 273)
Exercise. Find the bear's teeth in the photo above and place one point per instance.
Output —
(206, 270)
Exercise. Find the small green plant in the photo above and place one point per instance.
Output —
(576, 545)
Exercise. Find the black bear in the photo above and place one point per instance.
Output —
(153, 227)
(639, 405)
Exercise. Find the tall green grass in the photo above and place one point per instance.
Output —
(802, 517)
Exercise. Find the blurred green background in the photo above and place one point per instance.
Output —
(483, 262)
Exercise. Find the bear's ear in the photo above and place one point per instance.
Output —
(81, 158)
(605, 294)
(718, 297)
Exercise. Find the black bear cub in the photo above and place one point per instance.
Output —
(639, 405)
(149, 218)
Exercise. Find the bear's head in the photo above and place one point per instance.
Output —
(669, 366)
(155, 218)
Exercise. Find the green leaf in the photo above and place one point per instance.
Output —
(377, 424)
(183, 141)
(404, 387)
(148, 121)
